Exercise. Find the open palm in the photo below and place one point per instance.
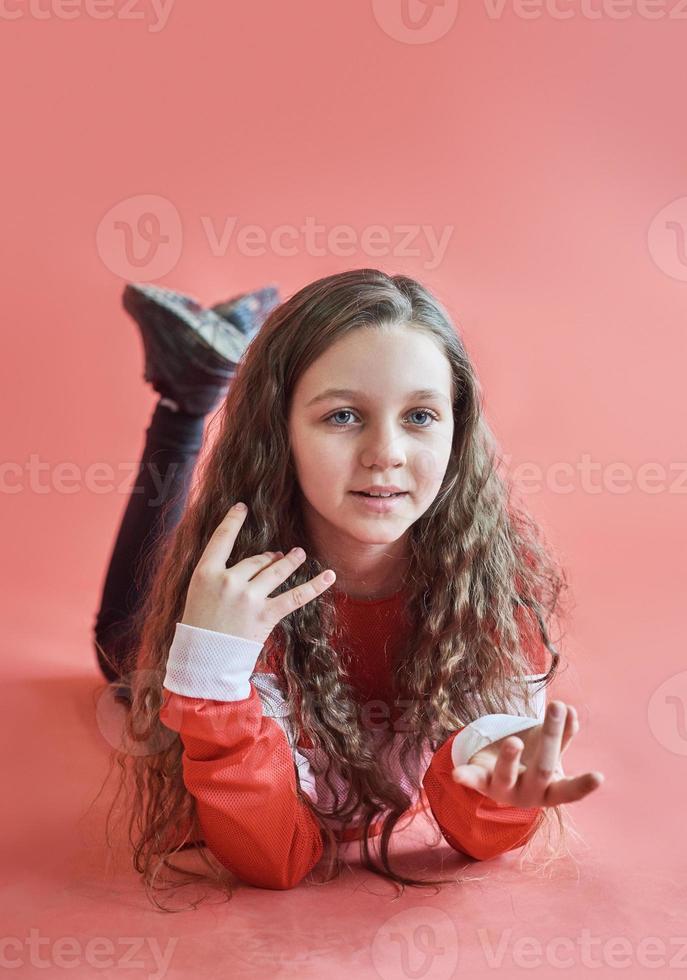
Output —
(525, 770)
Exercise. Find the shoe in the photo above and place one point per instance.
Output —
(248, 311)
(191, 353)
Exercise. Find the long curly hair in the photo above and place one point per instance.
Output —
(478, 571)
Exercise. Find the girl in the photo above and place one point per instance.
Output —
(313, 666)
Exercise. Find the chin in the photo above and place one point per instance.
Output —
(366, 532)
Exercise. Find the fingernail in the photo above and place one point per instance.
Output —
(240, 507)
(556, 711)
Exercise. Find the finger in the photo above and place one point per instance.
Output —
(572, 727)
(472, 776)
(300, 595)
(506, 768)
(256, 563)
(572, 788)
(542, 768)
(222, 540)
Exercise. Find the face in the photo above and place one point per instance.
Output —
(382, 434)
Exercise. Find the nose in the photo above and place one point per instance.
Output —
(383, 450)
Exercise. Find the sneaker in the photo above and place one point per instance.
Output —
(191, 353)
(248, 311)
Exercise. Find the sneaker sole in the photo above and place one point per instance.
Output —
(202, 327)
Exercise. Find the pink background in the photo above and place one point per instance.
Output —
(555, 151)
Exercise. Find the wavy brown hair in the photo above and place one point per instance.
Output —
(478, 569)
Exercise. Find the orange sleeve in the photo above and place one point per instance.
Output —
(237, 762)
(239, 767)
(470, 821)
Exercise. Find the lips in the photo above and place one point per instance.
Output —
(379, 496)
(376, 488)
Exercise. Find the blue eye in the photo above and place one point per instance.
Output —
(347, 411)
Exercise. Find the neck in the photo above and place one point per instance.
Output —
(363, 570)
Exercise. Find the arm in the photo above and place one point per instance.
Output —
(238, 762)
(470, 821)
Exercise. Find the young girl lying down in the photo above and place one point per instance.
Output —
(348, 624)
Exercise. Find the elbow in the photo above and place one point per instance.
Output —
(485, 849)
(477, 850)
(281, 881)
(268, 874)
(480, 853)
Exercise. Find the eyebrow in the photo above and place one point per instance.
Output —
(428, 393)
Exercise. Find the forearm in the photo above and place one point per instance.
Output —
(237, 762)
(470, 821)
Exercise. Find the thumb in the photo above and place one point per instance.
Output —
(472, 776)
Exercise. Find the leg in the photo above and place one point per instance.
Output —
(191, 354)
(173, 441)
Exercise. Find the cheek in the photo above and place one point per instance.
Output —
(321, 462)
(429, 465)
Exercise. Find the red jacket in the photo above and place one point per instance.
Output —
(240, 761)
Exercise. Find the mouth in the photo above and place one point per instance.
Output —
(379, 496)
(377, 503)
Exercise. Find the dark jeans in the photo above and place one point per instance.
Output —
(173, 441)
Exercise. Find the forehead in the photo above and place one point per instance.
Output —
(379, 363)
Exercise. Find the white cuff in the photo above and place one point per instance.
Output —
(484, 731)
(208, 664)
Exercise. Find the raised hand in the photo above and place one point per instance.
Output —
(525, 770)
(235, 600)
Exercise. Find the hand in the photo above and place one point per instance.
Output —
(538, 781)
(235, 600)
